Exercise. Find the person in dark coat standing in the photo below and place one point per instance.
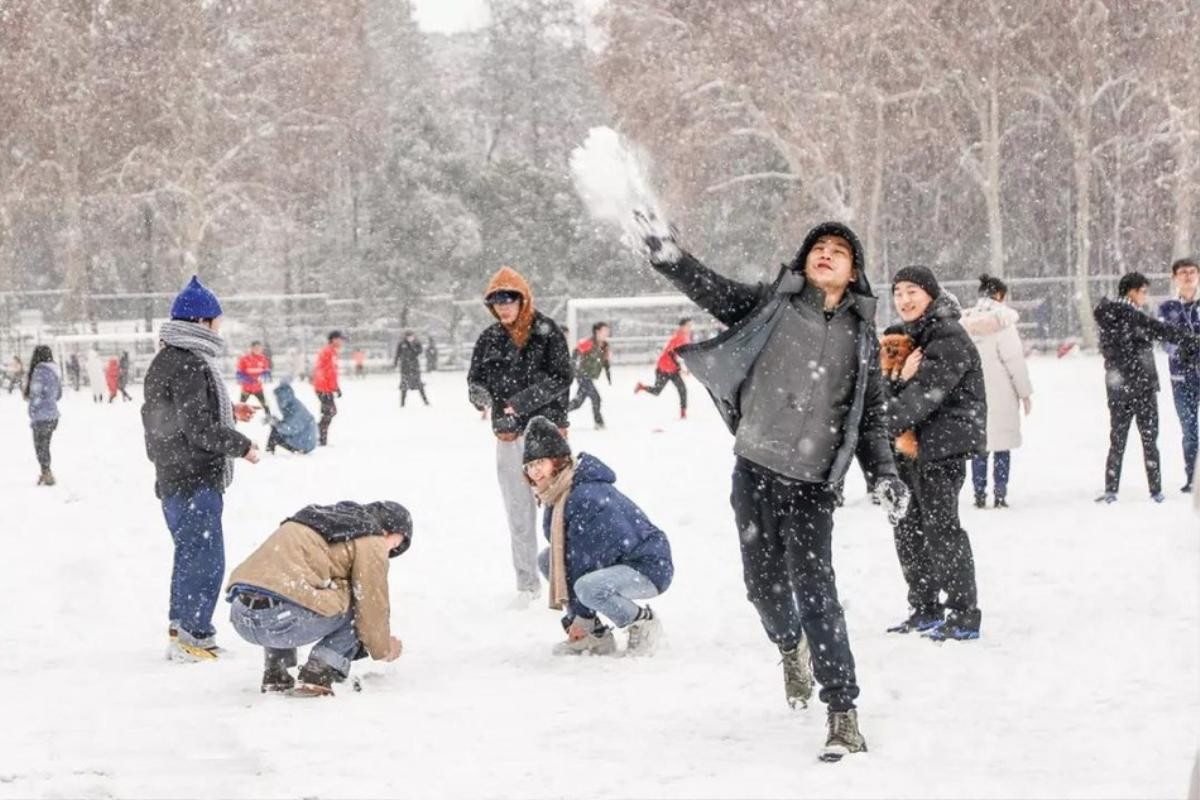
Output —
(940, 397)
(520, 368)
(1183, 312)
(408, 358)
(431, 355)
(590, 359)
(74, 370)
(1127, 336)
(123, 367)
(604, 553)
(188, 421)
(43, 390)
(796, 380)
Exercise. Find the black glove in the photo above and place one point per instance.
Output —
(339, 394)
(659, 238)
(479, 396)
(894, 496)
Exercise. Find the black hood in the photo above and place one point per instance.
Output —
(860, 285)
(346, 520)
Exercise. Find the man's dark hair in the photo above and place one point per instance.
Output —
(1180, 263)
(1131, 282)
(684, 321)
(990, 286)
(596, 328)
(256, 343)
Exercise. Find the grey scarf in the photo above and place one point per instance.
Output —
(209, 345)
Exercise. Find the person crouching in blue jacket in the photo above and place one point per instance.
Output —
(295, 429)
(604, 553)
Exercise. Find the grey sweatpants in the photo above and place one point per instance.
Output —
(521, 508)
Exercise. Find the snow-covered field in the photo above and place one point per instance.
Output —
(1086, 682)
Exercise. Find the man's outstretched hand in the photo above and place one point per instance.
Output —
(659, 238)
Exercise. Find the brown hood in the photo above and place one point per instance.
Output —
(508, 279)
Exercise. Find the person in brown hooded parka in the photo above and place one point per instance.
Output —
(520, 368)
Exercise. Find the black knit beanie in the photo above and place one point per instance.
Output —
(543, 440)
(921, 276)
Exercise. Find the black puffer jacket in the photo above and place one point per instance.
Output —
(185, 438)
(1127, 341)
(534, 379)
(945, 402)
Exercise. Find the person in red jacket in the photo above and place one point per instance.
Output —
(325, 382)
(252, 369)
(668, 368)
(112, 375)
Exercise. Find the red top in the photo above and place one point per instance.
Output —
(250, 369)
(111, 372)
(667, 363)
(325, 376)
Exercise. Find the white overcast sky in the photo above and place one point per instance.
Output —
(448, 16)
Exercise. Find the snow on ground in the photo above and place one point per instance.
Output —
(1086, 682)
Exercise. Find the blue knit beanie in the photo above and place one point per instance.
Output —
(195, 302)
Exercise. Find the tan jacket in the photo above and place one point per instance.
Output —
(296, 563)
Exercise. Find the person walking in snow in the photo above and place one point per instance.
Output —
(188, 421)
(520, 368)
(15, 374)
(940, 397)
(325, 383)
(668, 368)
(796, 380)
(604, 553)
(96, 376)
(74, 371)
(590, 359)
(123, 368)
(408, 358)
(992, 326)
(1183, 312)
(252, 369)
(112, 377)
(322, 579)
(43, 390)
(294, 429)
(1127, 337)
(431, 355)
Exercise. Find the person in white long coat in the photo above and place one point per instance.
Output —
(95, 372)
(993, 328)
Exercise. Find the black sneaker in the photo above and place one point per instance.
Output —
(919, 621)
(1001, 503)
(276, 678)
(844, 737)
(315, 679)
(980, 501)
(1186, 488)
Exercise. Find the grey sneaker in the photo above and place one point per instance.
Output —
(844, 737)
(797, 674)
(599, 642)
(644, 635)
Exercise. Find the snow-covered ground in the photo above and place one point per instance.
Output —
(1086, 682)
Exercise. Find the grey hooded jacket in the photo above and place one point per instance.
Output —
(726, 364)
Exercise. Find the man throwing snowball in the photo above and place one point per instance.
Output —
(796, 379)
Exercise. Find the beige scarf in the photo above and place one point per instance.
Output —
(555, 495)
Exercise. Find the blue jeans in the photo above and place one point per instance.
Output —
(194, 519)
(609, 591)
(1187, 406)
(285, 626)
(979, 464)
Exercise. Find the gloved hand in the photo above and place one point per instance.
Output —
(894, 496)
(659, 238)
(339, 394)
(479, 396)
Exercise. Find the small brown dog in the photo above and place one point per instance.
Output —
(894, 349)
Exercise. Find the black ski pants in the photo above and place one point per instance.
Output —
(785, 528)
(1123, 409)
(404, 395)
(588, 391)
(660, 381)
(934, 550)
(328, 412)
(259, 395)
(42, 433)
